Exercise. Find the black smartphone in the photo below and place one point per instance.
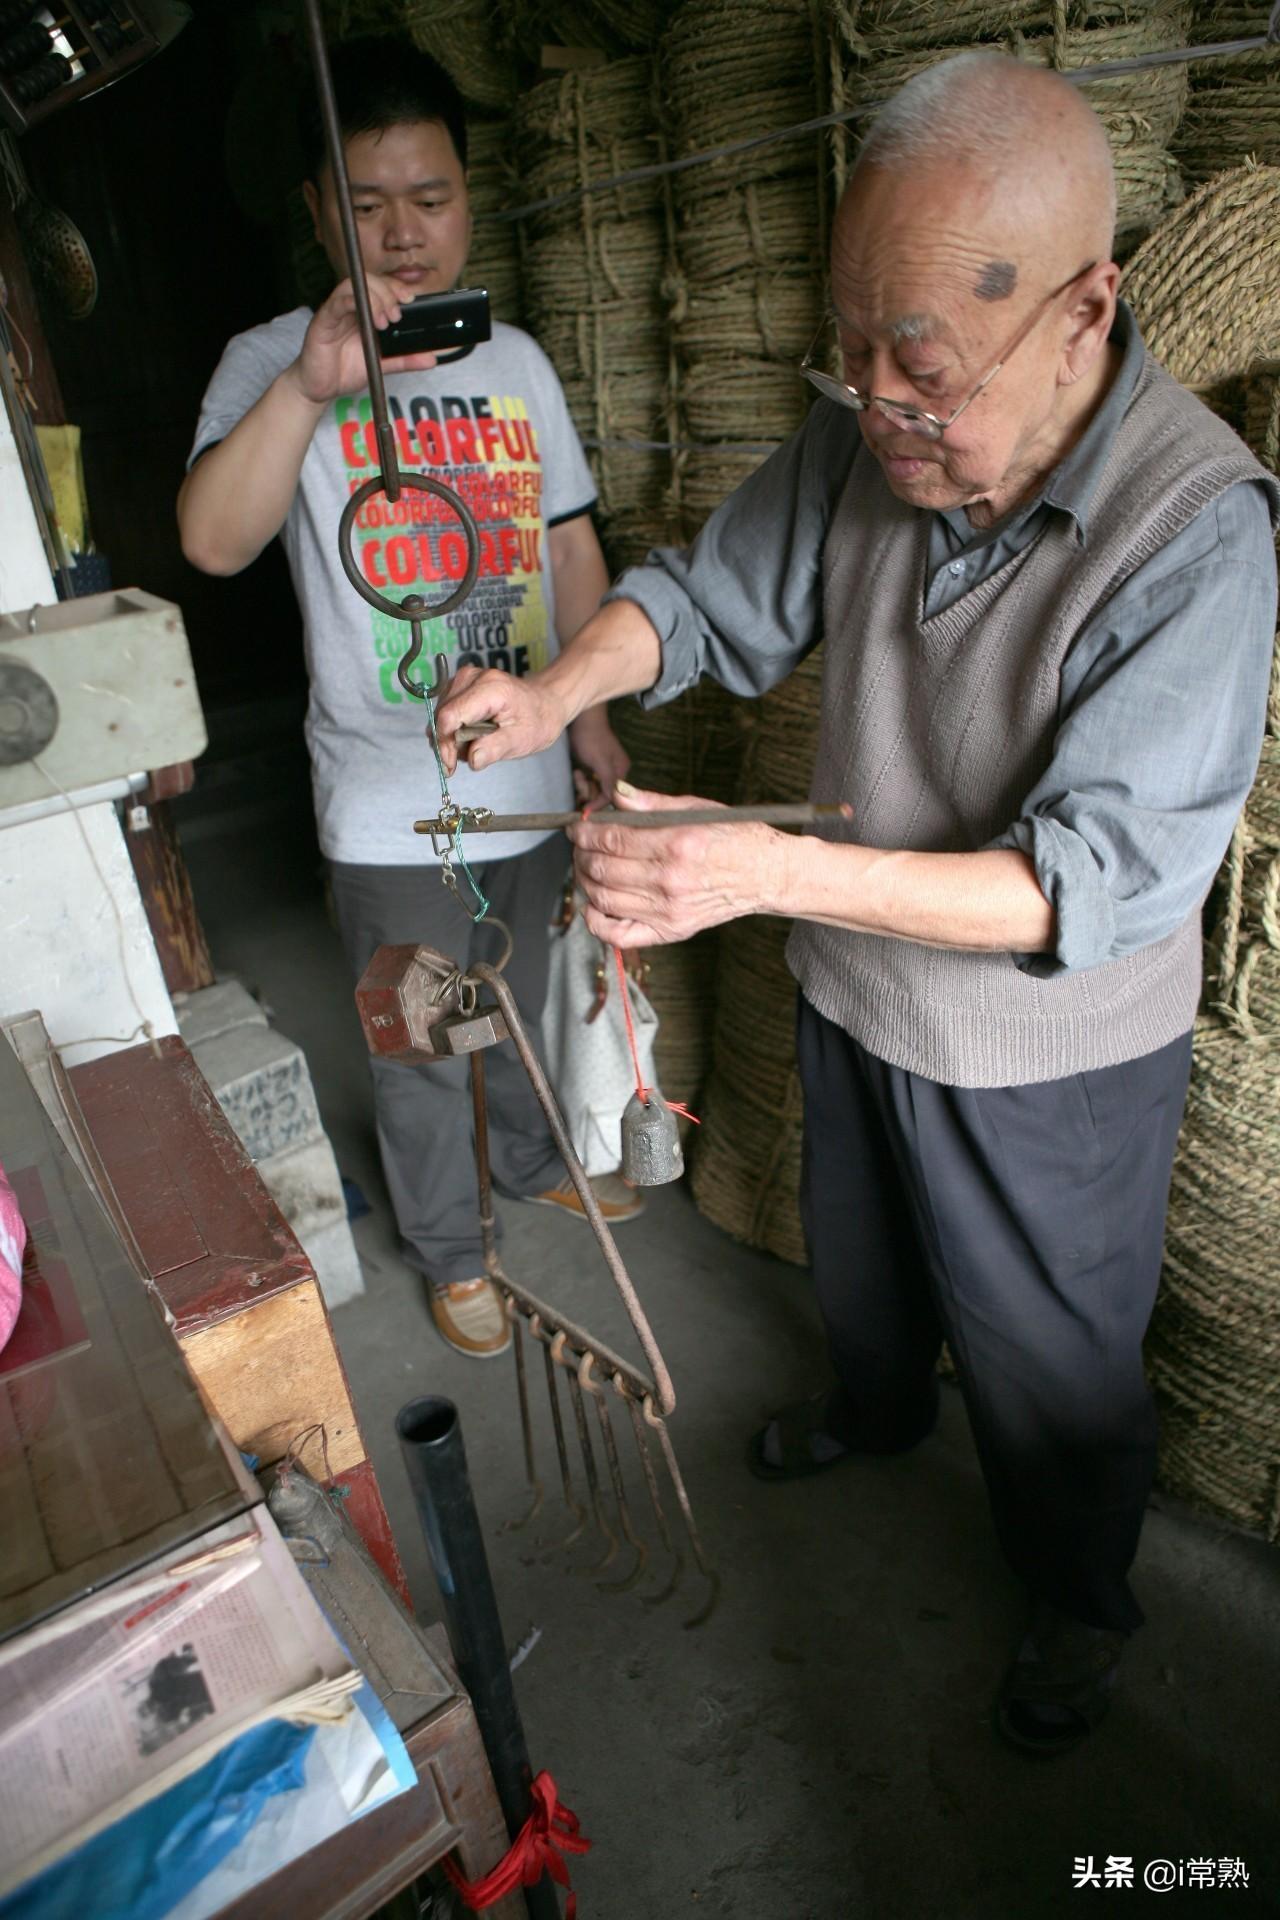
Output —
(437, 322)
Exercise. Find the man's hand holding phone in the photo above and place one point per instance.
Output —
(332, 359)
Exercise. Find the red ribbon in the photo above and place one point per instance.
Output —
(676, 1106)
(549, 1832)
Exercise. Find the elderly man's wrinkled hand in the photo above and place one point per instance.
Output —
(529, 714)
(649, 887)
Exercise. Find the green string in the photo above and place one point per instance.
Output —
(447, 801)
(470, 877)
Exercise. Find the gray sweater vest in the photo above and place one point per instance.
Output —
(936, 730)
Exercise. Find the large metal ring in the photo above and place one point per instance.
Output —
(422, 611)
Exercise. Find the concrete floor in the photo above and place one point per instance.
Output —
(821, 1748)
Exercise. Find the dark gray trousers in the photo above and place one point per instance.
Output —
(1024, 1225)
(424, 1113)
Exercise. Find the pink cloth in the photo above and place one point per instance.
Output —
(13, 1241)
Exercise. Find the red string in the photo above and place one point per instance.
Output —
(641, 1088)
(549, 1832)
(676, 1106)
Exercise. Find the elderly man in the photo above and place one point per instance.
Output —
(1045, 580)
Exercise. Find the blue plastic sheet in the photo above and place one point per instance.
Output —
(141, 1866)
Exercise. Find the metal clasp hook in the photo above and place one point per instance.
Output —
(415, 606)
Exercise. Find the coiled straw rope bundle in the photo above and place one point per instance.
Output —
(617, 26)
(1206, 285)
(760, 227)
(707, 477)
(746, 1159)
(589, 126)
(1243, 966)
(886, 44)
(463, 35)
(1261, 411)
(1206, 289)
(732, 69)
(494, 259)
(746, 299)
(867, 25)
(770, 316)
(750, 242)
(1213, 1351)
(746, 1165)
(691, 745)
(594, 273)
(1233, 112)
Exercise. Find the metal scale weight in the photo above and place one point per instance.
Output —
(417, 1006)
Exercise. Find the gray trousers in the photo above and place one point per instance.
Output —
(1024, 1225)
(424, 1113)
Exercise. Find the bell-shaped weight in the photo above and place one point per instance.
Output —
(651, 1151)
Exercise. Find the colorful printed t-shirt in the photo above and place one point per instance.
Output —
(493, 425)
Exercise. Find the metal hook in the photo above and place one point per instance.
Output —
(655, 1501)
(526, 1425)
(654, 1419)
(550, 1356)
(416, 606)
(615, 1477)
(589, 1464)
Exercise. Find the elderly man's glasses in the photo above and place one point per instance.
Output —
(826, 347)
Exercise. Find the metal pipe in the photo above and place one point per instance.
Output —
(436, 1462)
(342, 186)
(799, 813)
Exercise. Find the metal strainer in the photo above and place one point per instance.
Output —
(56, 250)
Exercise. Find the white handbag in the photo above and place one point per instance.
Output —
(584, 1035)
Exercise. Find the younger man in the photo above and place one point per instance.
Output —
(284, 438)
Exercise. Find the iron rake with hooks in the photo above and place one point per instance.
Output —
(416, 1005)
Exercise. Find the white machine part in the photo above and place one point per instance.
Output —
(92, 691)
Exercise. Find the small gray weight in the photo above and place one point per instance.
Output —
(651, 1151)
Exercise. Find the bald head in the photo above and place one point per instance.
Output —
(1020, 149)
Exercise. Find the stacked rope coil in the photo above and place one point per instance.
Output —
(1206, 290)
(1206, 285)
(1242, 970)
(692, 745)
(886, 43)
(1262, 414)
(1260, 411)
(747, 294)
(593, 276)
(746, 1158)
(594, 294)
(1213, 1352)
(494, 257)
(465, 36)
(614, 26)
(750, 233)
(1247, 951)
(1233, 111)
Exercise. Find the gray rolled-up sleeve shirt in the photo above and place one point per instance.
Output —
(1163, 693)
